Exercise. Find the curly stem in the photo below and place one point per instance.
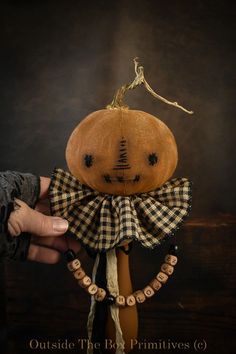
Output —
(139, 79)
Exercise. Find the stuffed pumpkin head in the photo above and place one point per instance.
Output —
(122, 152)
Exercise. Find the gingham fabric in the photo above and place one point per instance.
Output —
(103, 221)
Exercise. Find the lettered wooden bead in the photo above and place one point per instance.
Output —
(130, 300)
(139, 296)
(73, 265)
(79, 273)
(162, 277)
(85, 281)
(148, 291)
(120, 300)
(170, 259)
(166, 268)
(100, 294)
(155, 284)
(92, 289)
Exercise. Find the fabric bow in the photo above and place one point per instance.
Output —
(103, 221)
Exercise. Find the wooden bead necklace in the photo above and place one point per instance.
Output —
(139, 296)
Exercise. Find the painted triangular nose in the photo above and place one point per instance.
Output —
(122, 161)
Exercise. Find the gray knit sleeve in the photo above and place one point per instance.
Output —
(24, 186)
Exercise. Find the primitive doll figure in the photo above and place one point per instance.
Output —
(119, 190)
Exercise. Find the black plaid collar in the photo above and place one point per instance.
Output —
(103, 221)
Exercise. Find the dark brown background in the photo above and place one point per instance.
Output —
(61, 60)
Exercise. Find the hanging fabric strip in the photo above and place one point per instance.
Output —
(92, 306)
(113, 287)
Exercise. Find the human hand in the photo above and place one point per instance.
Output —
(48, 240)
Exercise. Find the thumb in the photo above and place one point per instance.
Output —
(25, 219)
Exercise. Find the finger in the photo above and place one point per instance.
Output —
(13, 228)
(43, 254)
(25, 219)
(44, 187)
(43, 225)
(73, 244)
(58, 243)
(43, 206)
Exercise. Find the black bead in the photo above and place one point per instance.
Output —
(70, 255)
(173, 250)
(109, 299)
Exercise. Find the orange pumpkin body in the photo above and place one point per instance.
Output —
(122, 152)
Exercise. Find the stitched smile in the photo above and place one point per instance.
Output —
(120, 179)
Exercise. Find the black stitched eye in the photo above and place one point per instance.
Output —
(88, 160)
(152, 159)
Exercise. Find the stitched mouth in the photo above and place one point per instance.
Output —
(120, 179)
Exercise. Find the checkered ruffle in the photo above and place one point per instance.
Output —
(103, 221)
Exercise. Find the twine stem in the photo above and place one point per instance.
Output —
(118, 99)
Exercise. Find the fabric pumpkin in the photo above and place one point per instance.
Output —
(122, 152)
(119, 190)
